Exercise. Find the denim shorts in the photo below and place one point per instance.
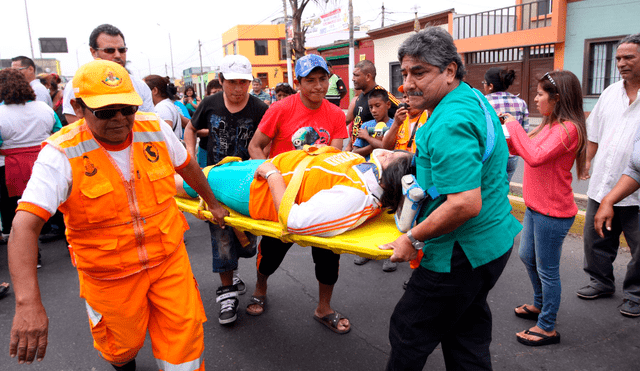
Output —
(226, 249)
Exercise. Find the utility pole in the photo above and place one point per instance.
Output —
(202, 91)
(166, 71)
(287, 46)
(29, 29)
(171, 51)
(351, 51)
(382, 14)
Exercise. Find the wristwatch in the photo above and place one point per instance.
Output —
(416, 244)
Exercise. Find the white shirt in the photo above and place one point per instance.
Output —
(42, 93)
(612, 124)
(140, 87)
(169, 112)
(51, 179)
(25, 125)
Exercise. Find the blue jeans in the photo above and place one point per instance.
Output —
(540, 251)
(512, 164)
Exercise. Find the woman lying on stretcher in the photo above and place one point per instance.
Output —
(339, 190)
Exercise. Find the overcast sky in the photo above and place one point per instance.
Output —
(147, 24)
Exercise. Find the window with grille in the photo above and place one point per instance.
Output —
(283, 50)
(600, 65)
(260, 47)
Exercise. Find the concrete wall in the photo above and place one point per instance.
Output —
(385, 52)
(591, 19)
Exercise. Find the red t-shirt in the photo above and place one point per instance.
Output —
(285, 117)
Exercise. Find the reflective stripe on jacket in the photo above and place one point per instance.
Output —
(116, 228)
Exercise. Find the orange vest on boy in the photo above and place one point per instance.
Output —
(404, 133)
(117, 228)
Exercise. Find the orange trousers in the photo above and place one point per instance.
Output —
(164, 300)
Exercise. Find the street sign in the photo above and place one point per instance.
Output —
(53, 45)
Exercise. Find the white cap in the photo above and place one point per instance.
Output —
(236, 67)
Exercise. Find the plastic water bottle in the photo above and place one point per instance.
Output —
(413, 195)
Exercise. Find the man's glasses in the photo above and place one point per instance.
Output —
(109, 113)
(113, 50)
(550, 79)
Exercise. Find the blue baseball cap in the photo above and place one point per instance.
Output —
(306, 64)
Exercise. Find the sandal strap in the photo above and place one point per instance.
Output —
(255, 300)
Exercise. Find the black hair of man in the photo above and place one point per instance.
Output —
(106, 29)
(367, 67)
(434, 46)
(379, 93)
(24, 61)
(213, 84)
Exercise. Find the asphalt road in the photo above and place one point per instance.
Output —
(594, 334)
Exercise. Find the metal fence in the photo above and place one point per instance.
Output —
(527, 16)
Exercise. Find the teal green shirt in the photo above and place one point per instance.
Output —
(449, 150)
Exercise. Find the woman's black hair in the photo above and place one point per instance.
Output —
(391, 182)
(166, 89)
(501, 78)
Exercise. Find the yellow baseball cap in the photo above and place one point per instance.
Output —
(101, 83)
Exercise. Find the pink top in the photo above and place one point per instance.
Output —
(548, 159)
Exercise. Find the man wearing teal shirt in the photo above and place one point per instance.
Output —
(468, 231)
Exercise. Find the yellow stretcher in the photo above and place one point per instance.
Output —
(362, 241)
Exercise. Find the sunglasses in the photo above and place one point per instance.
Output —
(21, 68)
(550, 79)
(282, 84)
(113, 50)
(109, 113)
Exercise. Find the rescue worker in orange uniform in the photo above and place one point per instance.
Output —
(111, 175)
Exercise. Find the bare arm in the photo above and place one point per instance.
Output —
(257, 145)
(195, 178)
(389, 139)
(625, 187)
(337, 143)
(30, 322)
(350, 116)
(455, 211)
(275, 181)
(184, 121)
(592, 148)
(190, 139)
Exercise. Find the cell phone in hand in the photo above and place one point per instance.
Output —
(403, 105)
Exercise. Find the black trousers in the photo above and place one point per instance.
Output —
(449, 309)
(8, 204)
(272, 251)
(600, 253)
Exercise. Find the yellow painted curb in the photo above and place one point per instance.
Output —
(518, 208)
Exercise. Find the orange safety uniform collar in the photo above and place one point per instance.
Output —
(116, 228)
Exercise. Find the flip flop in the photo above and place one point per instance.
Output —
(331, 321)
(4, 289)
(527, 313)
(544, 339)
(261, 301)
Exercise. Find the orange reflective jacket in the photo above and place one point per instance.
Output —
(404, 133)
(115, 227)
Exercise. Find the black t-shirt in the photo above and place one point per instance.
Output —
(361, 111)
(229, 133)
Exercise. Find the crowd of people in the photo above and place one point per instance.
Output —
(104, 156)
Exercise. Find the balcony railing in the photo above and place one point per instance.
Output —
(532, 15)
